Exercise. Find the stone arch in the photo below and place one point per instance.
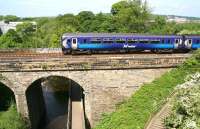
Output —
(7, 83)
(7, 95)
(39, 101)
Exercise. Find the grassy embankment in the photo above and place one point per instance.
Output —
(136, 111)
(10, 119)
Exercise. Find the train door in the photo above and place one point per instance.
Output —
(177, 43)
(188, 43)
(74, 43)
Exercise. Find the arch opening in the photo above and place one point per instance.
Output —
(48, 100)
(7, 97)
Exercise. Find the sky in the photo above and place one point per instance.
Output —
(35, 8)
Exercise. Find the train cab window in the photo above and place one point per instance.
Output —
(120, 40)
(68, 41)
(132, 41)
(95, 40)
(107, 40)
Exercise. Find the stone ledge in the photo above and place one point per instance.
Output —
(93, 64)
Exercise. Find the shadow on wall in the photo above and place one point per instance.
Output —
(47, 100)
(7, 97)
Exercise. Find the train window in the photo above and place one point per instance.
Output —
(198, 41)
(132, 40)
(120, 40)
(74, 41)
(168, 41)
(190, 41)
(68, 41)
(163, 41)
(84, 40)
(107, 40)
(95, 40)
(176, 41)
(144, 41)
(155, 41)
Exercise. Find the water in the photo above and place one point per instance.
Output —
(56, 103)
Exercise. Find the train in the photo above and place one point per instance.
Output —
(101, 42)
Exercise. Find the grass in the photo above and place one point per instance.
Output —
(10, 119)
(136, 111)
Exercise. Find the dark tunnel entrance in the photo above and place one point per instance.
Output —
(48, 100)
(7, 97)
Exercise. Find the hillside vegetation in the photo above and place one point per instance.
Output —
(136, 111)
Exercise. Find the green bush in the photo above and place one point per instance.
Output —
(186, 110)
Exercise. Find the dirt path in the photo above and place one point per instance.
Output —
(157, 121)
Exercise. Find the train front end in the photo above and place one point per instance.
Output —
(65, 43)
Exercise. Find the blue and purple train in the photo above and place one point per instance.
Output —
(92, 42)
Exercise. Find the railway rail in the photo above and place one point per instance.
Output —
(17, 55)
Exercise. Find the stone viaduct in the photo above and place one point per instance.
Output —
(105, 81)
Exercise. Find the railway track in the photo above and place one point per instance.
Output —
(18, 55)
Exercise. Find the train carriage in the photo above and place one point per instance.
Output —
(192, 42)
(128, 42)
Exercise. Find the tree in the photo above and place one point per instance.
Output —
(158, 25)
(131, 15)
(25, 29)
(1, 17)
(9, 18)
(85, 19)
(10, 40)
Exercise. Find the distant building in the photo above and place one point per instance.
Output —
(11, 25)
(177, 19)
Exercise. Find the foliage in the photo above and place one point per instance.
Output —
(126, 16)
(131, 15)
(1, 17)
(10, 40)
(186, 110)
(85, 18)
(11, 119)
(135, 112)
(9, 18)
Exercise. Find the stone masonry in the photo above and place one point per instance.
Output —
(106, 80)
(103, 89)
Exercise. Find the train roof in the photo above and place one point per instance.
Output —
(193, 36)
(115, 35)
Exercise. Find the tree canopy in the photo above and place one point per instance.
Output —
(10, 18)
